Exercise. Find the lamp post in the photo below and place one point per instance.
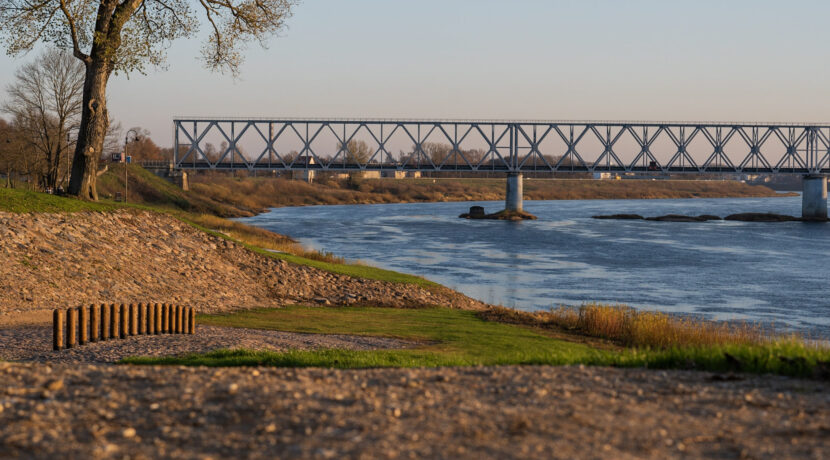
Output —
(69, 154)
(136, 137)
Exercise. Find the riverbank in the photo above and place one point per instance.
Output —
(224, 196)
(257, 194)
(63, 253)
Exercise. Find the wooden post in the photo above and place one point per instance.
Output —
(114, 321)
(71, 327)
(83, 324)
(172, 319)
(158, 319)
(133, 319)
(57, 329)
(142, 319)
(125, 321)
(151, 319)
(185, 320)
(171, 323)
(178, 319)
(164, 318)
(191, 329)
(105, 322)
(94, 323)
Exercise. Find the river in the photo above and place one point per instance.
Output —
(776, 273)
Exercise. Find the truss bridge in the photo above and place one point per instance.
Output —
(513, 147)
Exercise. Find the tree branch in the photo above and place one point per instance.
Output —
(73, 30)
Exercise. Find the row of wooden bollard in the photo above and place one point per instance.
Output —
(109, 322)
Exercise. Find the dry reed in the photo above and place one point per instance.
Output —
(632, 327)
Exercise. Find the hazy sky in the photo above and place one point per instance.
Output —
(542, 59)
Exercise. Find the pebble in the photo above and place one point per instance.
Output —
(54, 385)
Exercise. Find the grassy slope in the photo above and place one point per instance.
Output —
(461, 338)
(21, 201)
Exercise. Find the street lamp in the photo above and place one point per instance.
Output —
(136, 137)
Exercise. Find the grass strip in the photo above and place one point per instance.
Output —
(460, 338)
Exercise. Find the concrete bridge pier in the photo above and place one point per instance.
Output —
(513, 200)
(814, 198)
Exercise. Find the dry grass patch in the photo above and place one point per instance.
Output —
(630, 327)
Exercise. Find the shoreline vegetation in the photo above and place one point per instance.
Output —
(226, 196)
(592, 335)
(255, 195)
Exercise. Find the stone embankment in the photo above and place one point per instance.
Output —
(60, 260)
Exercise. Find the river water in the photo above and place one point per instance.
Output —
(777, 273)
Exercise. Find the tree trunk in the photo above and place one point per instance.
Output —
(93, 130)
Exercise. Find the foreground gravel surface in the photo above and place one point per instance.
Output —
(34, 343)
(105, 411)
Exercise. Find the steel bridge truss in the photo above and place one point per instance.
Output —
(509, 146)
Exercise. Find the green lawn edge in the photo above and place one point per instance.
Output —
(449, 338)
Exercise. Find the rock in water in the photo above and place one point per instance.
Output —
(761, 217)
(501, 215)
(620, 217)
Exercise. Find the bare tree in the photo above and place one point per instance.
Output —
(125, 36)
(45, 105)
(355, 151)
(143, 148)
(11, 152)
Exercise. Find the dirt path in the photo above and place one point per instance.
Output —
(104, 411)
(34, 343)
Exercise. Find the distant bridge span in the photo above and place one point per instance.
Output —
(510, 146)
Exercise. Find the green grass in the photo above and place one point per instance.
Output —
(354, 270)
(23, 201)
(446, 337)
(459, 338)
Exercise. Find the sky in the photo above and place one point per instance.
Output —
(525, 59)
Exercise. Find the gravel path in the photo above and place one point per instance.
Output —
(34, 343)
(104, 411)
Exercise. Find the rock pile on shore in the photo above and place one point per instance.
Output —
(59, 260)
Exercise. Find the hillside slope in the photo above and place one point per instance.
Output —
(60, 260)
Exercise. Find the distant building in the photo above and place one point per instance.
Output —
(305, 174)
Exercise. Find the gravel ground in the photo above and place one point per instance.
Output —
(34, 343)
(105, 411)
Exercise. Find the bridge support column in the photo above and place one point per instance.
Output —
(814, 198)
(513, 200)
